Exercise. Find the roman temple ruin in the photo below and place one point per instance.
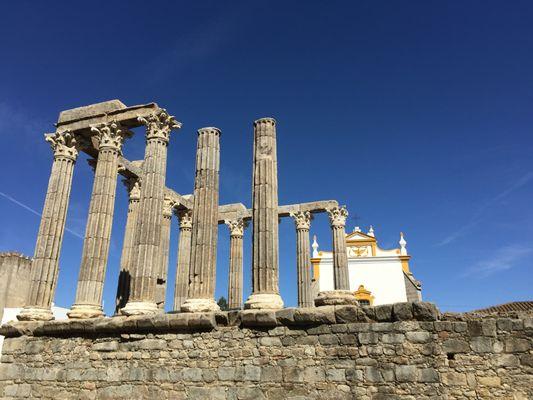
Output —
(329, 347)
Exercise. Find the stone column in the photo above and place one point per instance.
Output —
(302, 221)
(161, 285)
(184, 259)
(342, 293)
(126, 260)
(148, 235)
(236, 228)
(45, 265)
(202, 273)
(265, 245)
(88, 304)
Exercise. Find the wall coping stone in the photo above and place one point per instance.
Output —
(197, 322)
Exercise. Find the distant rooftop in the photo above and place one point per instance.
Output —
(515, 306)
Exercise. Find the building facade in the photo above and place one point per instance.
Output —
(376, 276)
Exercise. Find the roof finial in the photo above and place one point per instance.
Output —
(403, 243)
(357, 229)
(371, 231)
(315, 247)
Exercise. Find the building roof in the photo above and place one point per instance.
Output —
(515, 306)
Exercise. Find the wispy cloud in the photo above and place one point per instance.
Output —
(28, 208)
(503, 259)
(479, 215)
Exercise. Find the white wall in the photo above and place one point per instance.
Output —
(383, 276)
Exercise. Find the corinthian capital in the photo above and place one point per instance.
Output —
(185, 218)
(337, 216)
(168, 206)
(133, 187)
(159, 125)
(110, 135)
(63, 144)
(236, 226)
(302, 219)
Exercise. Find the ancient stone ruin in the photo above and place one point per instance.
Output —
(328, 347)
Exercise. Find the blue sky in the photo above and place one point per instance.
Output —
(416, 115)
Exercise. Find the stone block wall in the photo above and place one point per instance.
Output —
(405, 351)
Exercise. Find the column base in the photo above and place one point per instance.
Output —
(335, 298)
(30, 313)
(140, 308)
(264, 301)
(199, 305)
(84, 311)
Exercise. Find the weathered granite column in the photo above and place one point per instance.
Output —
(45, 265)
(236, 228)
(126, 260)
(184, 258)
(88, 304)
(202, 272)
(265, 244)
(302, 221)
(342, 293)
(161, 285)
(148, 237)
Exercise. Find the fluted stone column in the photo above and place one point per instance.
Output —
(161, 285)
(45, 265)
(342, 293)
(302, 221)
(202, 272)
(124, 278)
(88, 302)
(184, 258)
(236, 228)
(148, 237)
(265, 242)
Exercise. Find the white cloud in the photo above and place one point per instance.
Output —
(503, 259)
(479, 215)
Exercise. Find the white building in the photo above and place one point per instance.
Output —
(377, 276)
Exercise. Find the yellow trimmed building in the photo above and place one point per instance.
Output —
(377, 276)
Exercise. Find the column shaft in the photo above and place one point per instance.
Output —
(236, 228)
(184, 259)
(265, 243)
(202, 272)
(302, 221)
(45, 264)
(148, 234)
(341, 294)
(161, 287)
(95, 253)
(126, 260)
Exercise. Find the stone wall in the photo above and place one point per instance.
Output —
(14, 280)
(405, 351)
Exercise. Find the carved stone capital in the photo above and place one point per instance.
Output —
(168, 206)
(133, 187)
(302, 219)
(159, 125)
(236, 226)
(337, 216)
(110, 135)
(185, 219)
(63, 144)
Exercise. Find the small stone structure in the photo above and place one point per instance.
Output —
(404, 351)
(15, 271)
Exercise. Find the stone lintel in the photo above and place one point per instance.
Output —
(238, 210)
(206, 321)
(314, 207)
(81, 119)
